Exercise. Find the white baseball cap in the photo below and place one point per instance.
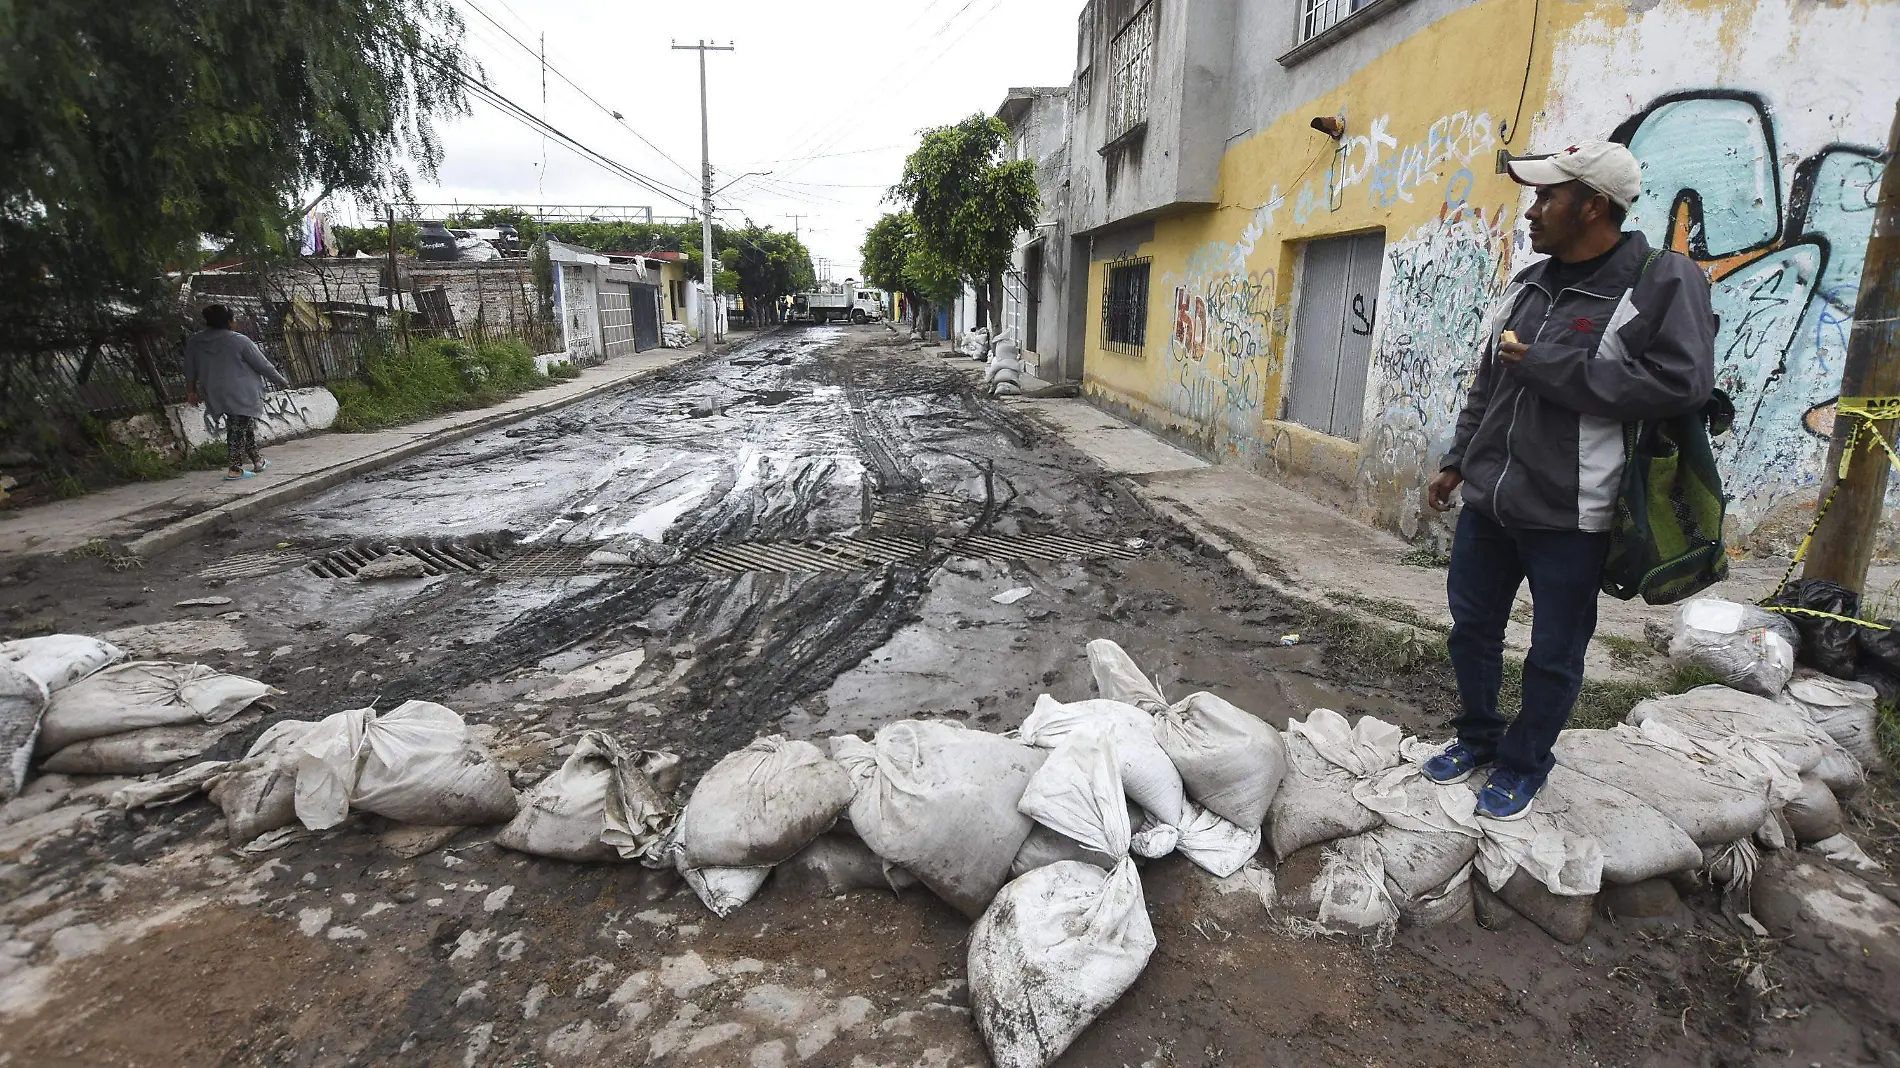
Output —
(1605, 166)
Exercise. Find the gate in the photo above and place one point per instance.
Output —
(616, 319)
(646, 317)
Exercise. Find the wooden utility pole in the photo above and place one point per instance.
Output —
(1844, 539)
(389, 283)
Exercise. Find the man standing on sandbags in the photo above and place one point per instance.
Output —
(1603, 332)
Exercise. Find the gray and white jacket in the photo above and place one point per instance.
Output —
(1540, 444)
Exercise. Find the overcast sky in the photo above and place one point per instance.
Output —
(851, 83)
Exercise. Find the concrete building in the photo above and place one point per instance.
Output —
(1308, 301)
(607, 305)
(1038, 121)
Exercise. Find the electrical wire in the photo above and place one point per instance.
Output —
(1530, 53)
(609, 112)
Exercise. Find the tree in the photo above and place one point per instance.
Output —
(134, 134)
(968, 203)
(769, 265)
(895, 258)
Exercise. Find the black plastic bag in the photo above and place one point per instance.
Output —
(1881, 648)
(1886, 683)
(1829, 646)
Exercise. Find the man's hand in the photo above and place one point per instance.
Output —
(1510, 349)
(1438, 493)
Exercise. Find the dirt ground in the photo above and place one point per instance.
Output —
(144, 939)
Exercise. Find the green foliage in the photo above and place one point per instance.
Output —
(563, 370)
(765, 264)
(434, 376)
(1627, 652)
(1426, 556)
(375, 239)
(967, 202)
(542, 268)
(726, 281)
(133, 130)
(86, 458)
(895, 258)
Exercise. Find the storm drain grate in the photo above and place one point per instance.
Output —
(922, 511)
(555, 561)
(253, 564)
(876, 552)
(438, 558)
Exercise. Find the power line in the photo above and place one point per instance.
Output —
(542, 56)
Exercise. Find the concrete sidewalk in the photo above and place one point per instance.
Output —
(143, 518)
(1312, 554)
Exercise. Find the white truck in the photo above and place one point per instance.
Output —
(857, 305)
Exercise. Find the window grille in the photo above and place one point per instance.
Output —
(1125, 307)
(1131, 68)
(1318, 16)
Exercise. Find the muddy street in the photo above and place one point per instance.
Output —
(806, 536)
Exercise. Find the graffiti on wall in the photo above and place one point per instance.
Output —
(1441, 281)
(1784, 267)
(1218, 355)
(1393, 173)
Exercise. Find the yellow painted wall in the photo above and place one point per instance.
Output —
(1418, 162)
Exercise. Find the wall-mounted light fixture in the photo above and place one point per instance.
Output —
(1331, 125)
(1505, 159)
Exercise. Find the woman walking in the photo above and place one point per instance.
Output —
(228, 370)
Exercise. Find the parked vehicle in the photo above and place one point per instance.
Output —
(857, 305)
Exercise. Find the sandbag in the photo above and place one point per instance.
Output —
(143, 693)
(143, 751)
(838, 864)
(1315, 802)
(1230, 761)
(59, 660)
(168, 789)
(939, 800)
(22, 700)
(1840, 770)
(722, 890)
(1827, 645)
(415, 763)
(1419, 863)
(1638, 841)
(1118, 679)
(1148, 774)
(259, 793)
(1713, 802)
(1044, 847)
(1351, 890)
(1061, 943)
(1847, 712)
(1814, 816)
(1447, 904)
(1746, 647)
(1213, 844)
(601, 805)
(761, 804)
(1725, 717)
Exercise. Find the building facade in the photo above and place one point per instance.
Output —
(1033, 312)
(1286, 219)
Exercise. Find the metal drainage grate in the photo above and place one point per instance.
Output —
(873, 553)
(438, 557)
(253, 564)
(558, 561)
(925, 510)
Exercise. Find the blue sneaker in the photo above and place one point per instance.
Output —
(1454, 765)
(1508, 794)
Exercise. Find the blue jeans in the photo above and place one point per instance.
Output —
(1488, 564)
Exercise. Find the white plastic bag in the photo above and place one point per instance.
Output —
(601, 805)
(1061, 943)
(761, 804)
(1147, 773)
(415, 763)
(140, 752)
(22, 701)
(144, 693)
(1742, 645)
(1326, 758)
(1118, 679)
(259, 793)
(1715, 800)
(1230, 761)
(1847, 712)
(939, 800)
(59, 660)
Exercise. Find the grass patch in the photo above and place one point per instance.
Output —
(1685, 677)
(1426, 556)
(435, 375)
(1888, 732)
(1397, 611)
(563, 371)
(1625, 652)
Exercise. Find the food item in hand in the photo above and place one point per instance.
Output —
(1509, 337)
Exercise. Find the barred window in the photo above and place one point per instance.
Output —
(1125, 306)
(1131, 68)
(1318, 16)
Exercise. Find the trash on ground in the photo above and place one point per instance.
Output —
(1746, 647)
(1012, 596)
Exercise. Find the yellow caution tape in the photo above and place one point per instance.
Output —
(1870, 410)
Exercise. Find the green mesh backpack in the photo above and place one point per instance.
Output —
(1666, 539)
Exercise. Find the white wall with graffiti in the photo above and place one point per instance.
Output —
(288, 413)
(1765, 170)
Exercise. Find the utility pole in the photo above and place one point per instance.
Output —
(706, 190)
(389, 295)
(795, 219)
(1868, 411)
